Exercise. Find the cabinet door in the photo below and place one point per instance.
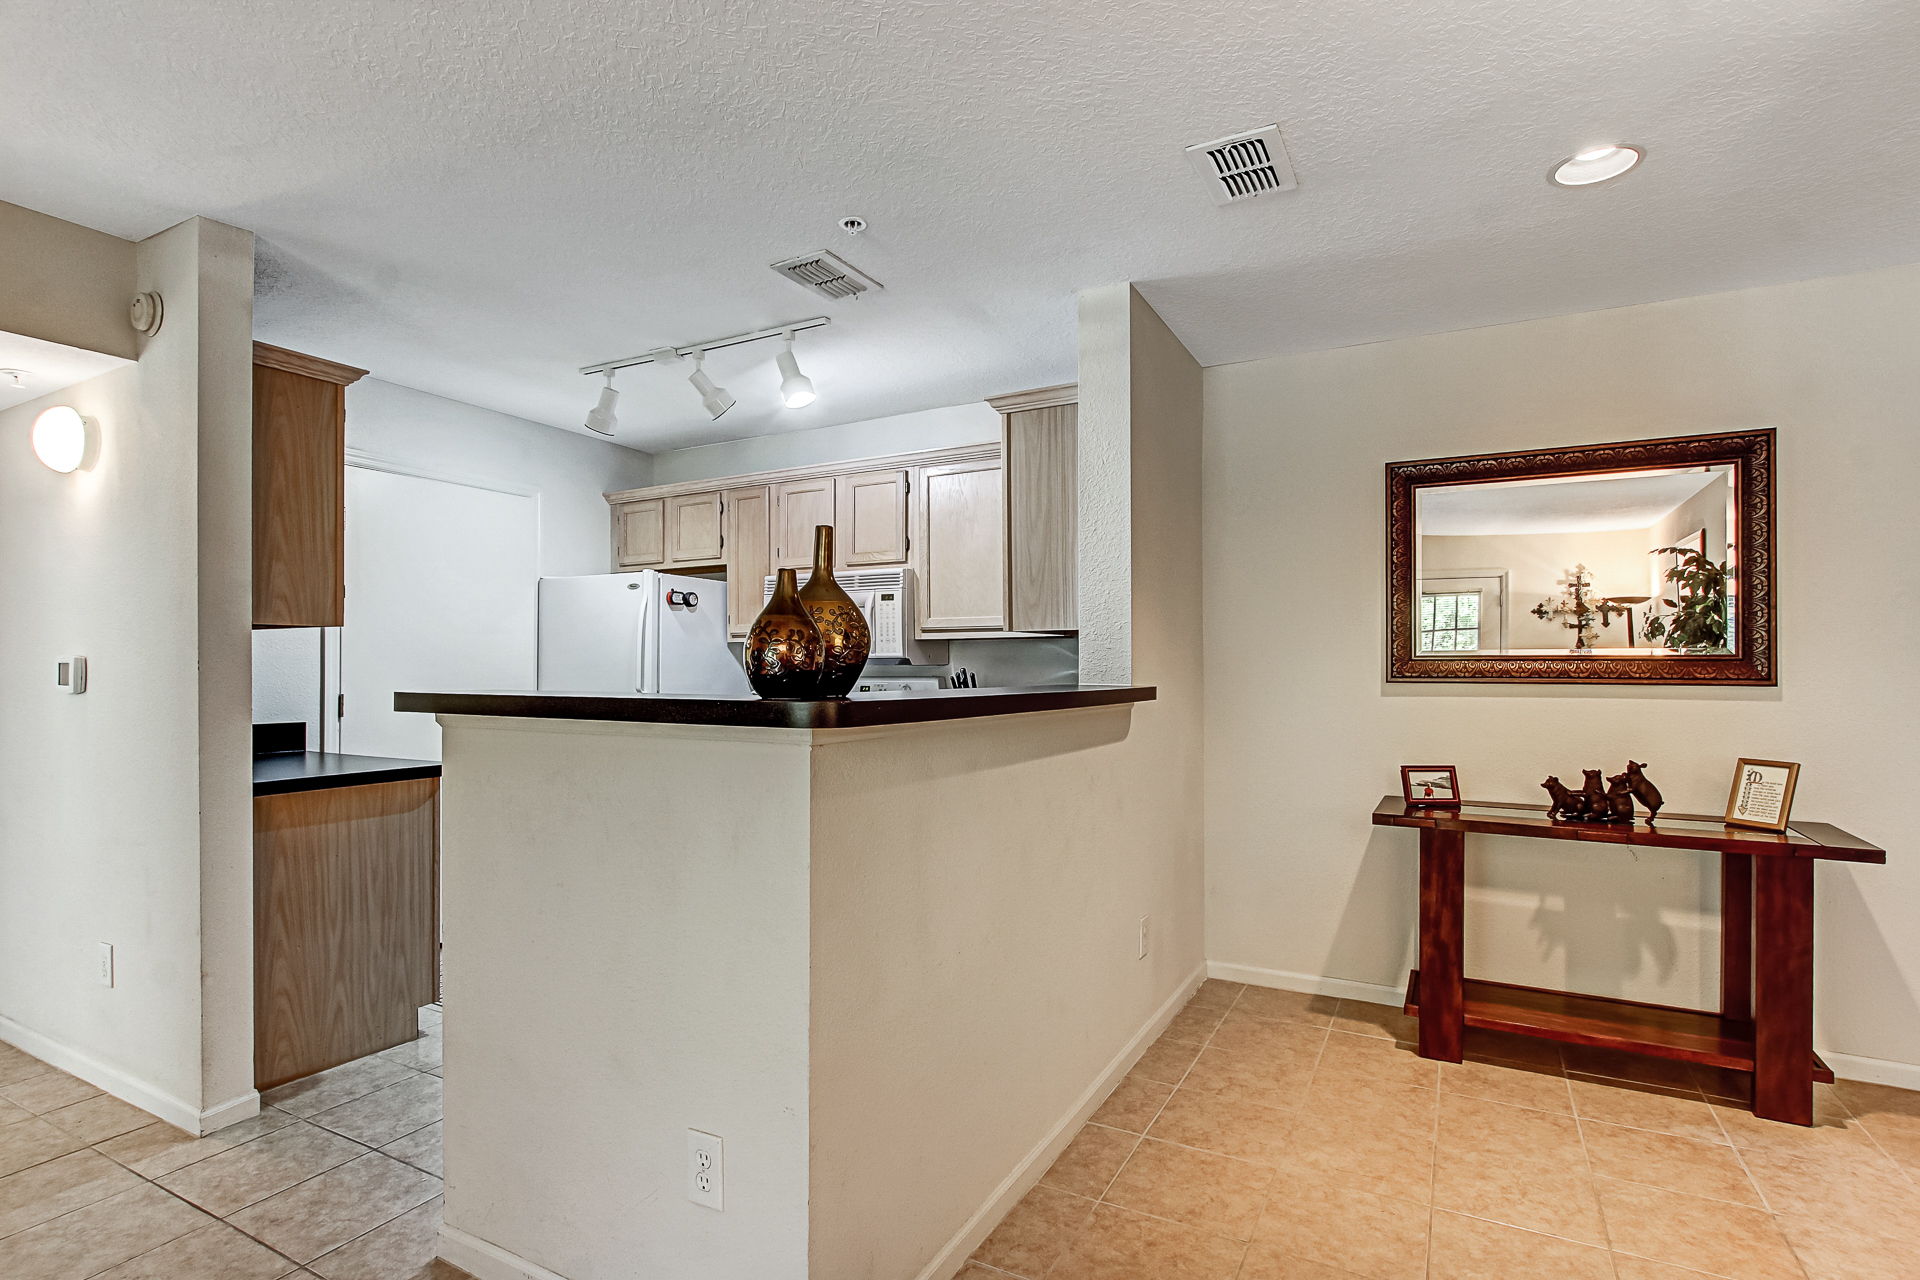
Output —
(693, 530)
(1042, 504)
(640, 534)
(799, 505)
(872, 529)
(749, 554)
(963, 547)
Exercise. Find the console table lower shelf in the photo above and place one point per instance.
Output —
(1660, 1031)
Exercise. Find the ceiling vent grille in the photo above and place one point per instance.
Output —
(827, 274)
(1244, 166)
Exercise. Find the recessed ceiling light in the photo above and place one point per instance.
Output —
(1595, 164)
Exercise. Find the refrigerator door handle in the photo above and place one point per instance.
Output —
(646, 660)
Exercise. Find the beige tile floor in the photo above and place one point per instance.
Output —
(338, 1177)
(1274, 1136)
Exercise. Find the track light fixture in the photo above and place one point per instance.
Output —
(796, 388)
(714, 399)
(602, 417)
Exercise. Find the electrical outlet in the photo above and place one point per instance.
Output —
(103, 960)
(1142, 954)
(705, 1164)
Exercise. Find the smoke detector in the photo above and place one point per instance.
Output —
(827, 274)
(1243, 165)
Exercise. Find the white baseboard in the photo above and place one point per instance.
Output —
(1311, 984)
(1848, 1066)
(488, 1261)
(128, 1088)
(1017, 1183)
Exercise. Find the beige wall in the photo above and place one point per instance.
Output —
(127, 811)
(1302, 740)
(61, 282)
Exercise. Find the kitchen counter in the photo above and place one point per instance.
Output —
(862, 710)
(278, 775)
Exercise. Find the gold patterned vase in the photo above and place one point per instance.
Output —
(844, 636)
(782, 654)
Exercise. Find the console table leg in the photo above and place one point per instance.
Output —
(1783, 1013)
(1736, 935)
(1443, 894)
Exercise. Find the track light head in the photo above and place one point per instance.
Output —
(714, 399)
(601, 418)
(796, 388)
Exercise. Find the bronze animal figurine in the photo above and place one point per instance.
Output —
(1596, 794)
(1559, 798)
(1643, 790)
(1619, 798)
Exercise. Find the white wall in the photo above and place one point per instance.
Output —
(945, 428)
(65, 283)
(415, 433)
(127, 811)
(1304, 738)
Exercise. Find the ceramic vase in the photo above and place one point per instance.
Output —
(783, 649)
(844, 636)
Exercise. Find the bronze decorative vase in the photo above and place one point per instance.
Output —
(844, 636)
(783, 649)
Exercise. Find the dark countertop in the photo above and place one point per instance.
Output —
(316, 771)
(862, 710)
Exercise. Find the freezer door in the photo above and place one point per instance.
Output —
(589, 632)
(689, 653)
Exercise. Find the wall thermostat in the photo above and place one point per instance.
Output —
(72, 675)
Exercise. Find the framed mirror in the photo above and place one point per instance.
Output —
(1642, 562)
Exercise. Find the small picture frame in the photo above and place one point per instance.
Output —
(1430, 786)
(1762, 795)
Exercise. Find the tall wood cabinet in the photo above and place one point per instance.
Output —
(749, 553)
(299, 488)
(1040, 432)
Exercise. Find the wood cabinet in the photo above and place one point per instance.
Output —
(872, 527)
(749, 529)
(695, 538)
(799, 506)
(962, 533)
(640, 534)
(299, 488)
(345, 948)
(1040, 444)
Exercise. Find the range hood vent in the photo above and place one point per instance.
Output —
(1244, 166)
(827, 274)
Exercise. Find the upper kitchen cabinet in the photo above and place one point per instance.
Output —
(749, 530)
(695, 538)
(798, 506)
(962, 533)
(299, 488)
(640, 534)
(872, 527)
(1039, 438)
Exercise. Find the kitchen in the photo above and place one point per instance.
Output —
(458, 549)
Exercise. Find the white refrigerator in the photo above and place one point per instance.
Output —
(646, 632)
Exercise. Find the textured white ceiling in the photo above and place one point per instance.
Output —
(473, 198)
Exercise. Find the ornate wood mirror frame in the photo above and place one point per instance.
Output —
(1752, 660)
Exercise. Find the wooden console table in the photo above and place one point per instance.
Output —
(1765, 1022)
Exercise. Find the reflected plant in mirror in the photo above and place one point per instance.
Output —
(1639, 562)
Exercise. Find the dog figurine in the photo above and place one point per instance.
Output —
(1643, 790)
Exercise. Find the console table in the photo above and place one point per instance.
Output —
(1765, 1022)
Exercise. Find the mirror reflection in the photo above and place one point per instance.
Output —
(1621, 564)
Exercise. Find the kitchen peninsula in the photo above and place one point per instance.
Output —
(869, 945)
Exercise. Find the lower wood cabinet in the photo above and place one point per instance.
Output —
(344, 923)
(962, 531)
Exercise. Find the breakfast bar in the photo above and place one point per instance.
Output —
(1764, 1026)
(842, 948)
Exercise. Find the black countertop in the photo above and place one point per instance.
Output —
(862, 710)
(317, 770)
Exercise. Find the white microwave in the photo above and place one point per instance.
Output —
(885, 599)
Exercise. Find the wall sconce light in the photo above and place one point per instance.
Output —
(64, 440)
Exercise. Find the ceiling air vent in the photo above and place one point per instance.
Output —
(827, 274)
(1243, 166)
